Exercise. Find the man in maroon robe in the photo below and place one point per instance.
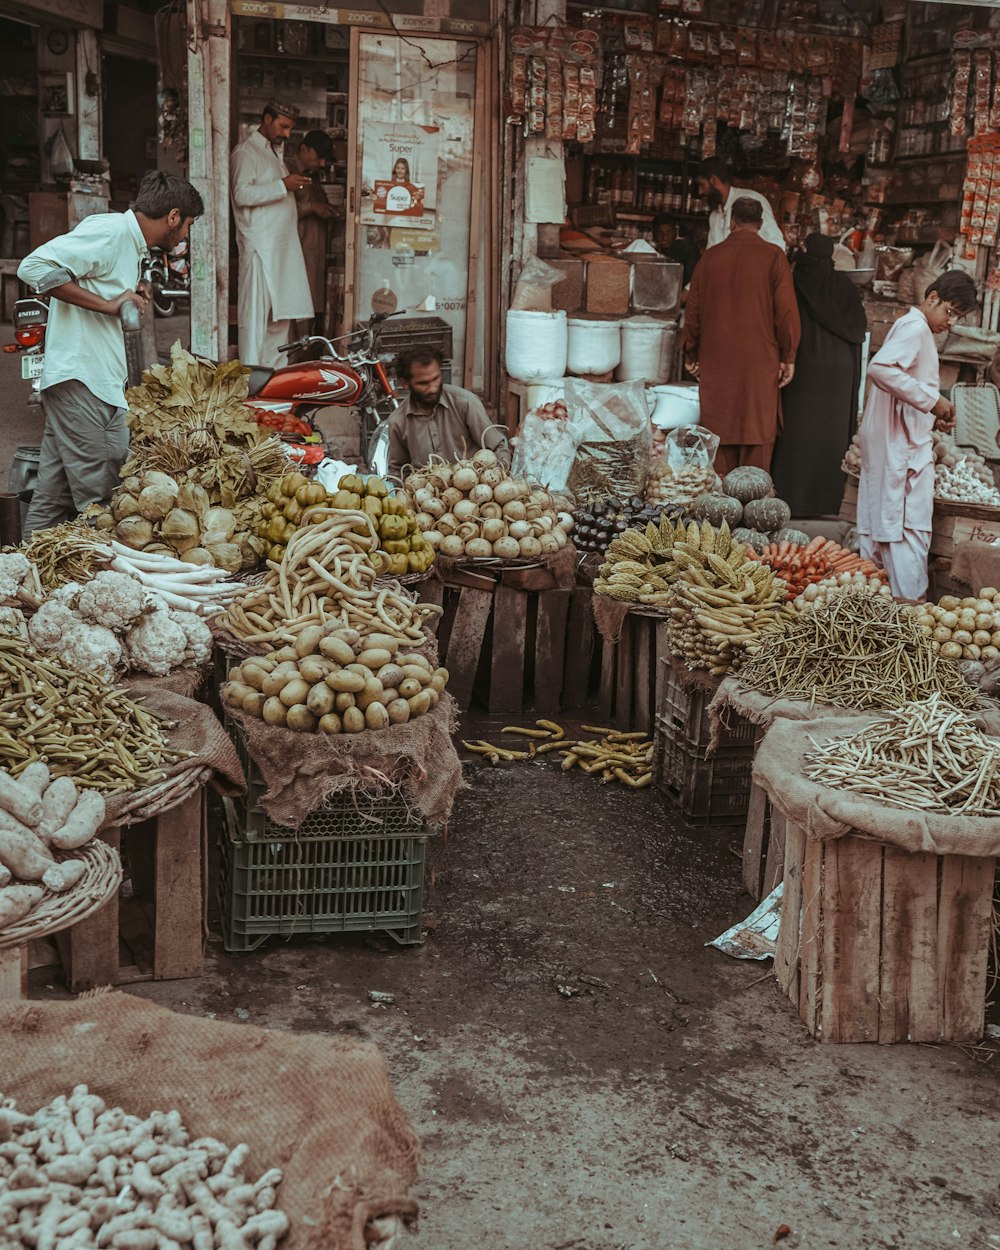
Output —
(741, 333)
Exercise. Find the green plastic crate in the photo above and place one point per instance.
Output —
(320, 879)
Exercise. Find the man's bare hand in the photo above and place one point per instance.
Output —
(786, 372)
(296, 182)
(140, 297)
(944, 410)
(693, 367)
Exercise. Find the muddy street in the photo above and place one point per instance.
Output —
(585, 1074)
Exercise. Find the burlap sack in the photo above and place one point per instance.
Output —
(976, 564)
(320, 1108)
(301, 770)
(822, 813)
(197, 730)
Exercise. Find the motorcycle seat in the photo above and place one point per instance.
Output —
(259, 378)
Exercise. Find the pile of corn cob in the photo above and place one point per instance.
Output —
(614, 756)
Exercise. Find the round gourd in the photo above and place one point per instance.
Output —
(717, 508)
(746, 483)
(750, 538)
(767, 515)
(788, 535)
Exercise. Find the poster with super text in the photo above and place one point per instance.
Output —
(399, 175)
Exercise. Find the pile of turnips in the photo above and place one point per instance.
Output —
(475, 509)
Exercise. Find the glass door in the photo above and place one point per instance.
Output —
(413, 153)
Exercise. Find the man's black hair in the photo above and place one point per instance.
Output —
(664, 219)
(954, 287)
(320, 143)
(160, 192)
(411, 356)
(716, 167)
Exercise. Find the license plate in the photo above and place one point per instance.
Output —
(31, 366)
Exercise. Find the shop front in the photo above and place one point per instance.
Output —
(408, 103)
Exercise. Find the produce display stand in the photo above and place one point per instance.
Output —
(631, 671)
(877, 944)
(512, 637)
(956, 523)
(163, 833)
(886, 913)
(57, 913)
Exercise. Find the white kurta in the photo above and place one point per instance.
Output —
(896, 491)
(721, 219)
(274, 285)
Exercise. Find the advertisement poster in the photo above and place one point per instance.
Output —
(399, 175)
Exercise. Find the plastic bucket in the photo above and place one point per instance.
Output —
(537, 345)
(647, 350)
(594, 346)
(23, 475)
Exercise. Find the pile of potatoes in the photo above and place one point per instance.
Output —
(963, 629)
(336, 680)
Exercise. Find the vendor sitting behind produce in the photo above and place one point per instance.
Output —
(671, 247)
(437, 419)
(896, 491)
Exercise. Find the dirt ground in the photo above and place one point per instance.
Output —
(666, 1096)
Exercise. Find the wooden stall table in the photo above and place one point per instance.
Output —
(59, 912)
(163, 835)
(886, 914)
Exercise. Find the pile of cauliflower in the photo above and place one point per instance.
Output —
(112, 623)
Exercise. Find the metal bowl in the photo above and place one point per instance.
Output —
(860, 277)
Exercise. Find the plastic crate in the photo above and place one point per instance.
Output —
(401, 332)
(708, 789)
(356, 815)
(684, 709)
(317, 879)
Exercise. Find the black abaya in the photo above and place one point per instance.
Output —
(820, 404)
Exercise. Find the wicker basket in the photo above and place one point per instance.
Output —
(149, 802)
(98, 884)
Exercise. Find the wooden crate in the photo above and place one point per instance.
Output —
(879, 945)
(763, 845)
(954, 525)
(157, 933)
(513, 644)
(630, 671)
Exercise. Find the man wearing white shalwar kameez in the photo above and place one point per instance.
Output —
(274, 284)
(896, 491)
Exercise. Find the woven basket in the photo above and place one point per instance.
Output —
(151, 801)
(59, 911)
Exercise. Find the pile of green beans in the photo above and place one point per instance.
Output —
(855, 651)
(78, 724)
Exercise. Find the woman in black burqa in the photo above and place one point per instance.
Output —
(820, 404)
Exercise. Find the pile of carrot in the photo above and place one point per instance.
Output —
(800, 566)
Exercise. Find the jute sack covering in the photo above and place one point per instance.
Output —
(197, 730)
(320, 1108)
(976, 564)
(764, 709)
(609, 617)
(822, 813)
(301, 770)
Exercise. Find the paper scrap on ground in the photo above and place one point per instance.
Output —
(757, 936)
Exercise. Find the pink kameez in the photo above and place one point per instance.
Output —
(896, 492)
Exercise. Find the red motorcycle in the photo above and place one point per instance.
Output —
(291, 395)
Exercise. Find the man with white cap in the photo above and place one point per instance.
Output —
(274, 284)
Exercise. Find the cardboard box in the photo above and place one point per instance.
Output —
(608, 284)
(568, 294)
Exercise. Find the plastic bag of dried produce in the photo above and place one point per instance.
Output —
(684, 468)
(544, 450)
(614, 438)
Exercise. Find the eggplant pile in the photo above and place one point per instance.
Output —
(599, 521)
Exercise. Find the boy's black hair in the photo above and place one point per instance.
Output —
(954, 287)
(160, 192)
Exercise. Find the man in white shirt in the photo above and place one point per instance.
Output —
(274, 283)
(715, 183)
(88, 274)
